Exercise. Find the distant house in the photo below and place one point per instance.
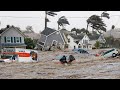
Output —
(51, 37)
(95, 38)
(113, 32)
(79, 41)
(11, 37)
(71, 43)
(84, 41)
(101, 39)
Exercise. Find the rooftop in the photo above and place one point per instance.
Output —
(48, 31)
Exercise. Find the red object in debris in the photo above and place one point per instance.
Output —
(97, 54)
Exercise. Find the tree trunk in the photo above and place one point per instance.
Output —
(58, 27)
(99, 32)
(45, 19)
(87, 27)
(92, 29)
(76, 32)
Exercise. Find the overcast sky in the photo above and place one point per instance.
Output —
(36, 19)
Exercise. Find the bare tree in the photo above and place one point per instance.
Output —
(29, 29)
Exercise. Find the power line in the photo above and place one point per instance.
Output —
(66, 17)
(19, 17)
(88, 17)
(39, 17)
(114, 15)
(77, 17)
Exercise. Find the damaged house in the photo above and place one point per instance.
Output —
(51, 37)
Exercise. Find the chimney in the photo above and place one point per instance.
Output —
(8, 26)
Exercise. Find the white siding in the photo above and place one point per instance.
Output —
(84, 45)
(72, 43)
(85, 38)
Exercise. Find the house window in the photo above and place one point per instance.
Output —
(11, 40)
(5, 39)
(79, 46)
(8, 39)
(89, 46)
(68, 40)
(84, 46)
(74, 47)
(85, 41)
(17, 39)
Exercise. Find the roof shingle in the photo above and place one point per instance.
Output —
(48, 31)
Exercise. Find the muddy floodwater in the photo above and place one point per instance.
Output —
(85, 67)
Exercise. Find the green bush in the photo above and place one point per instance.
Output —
(97, 44)
(30, 43)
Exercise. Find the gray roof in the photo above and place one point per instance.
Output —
(8, 27)
(2, 30)
(94, 37)
(42, 38)
(48, 31)
(77, 36)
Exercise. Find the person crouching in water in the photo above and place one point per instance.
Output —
(63, 60)
(71, 59)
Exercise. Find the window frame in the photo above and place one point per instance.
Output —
(17, 39)
(8, 38)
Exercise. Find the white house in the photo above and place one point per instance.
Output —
(71, 43)
(84, 42)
